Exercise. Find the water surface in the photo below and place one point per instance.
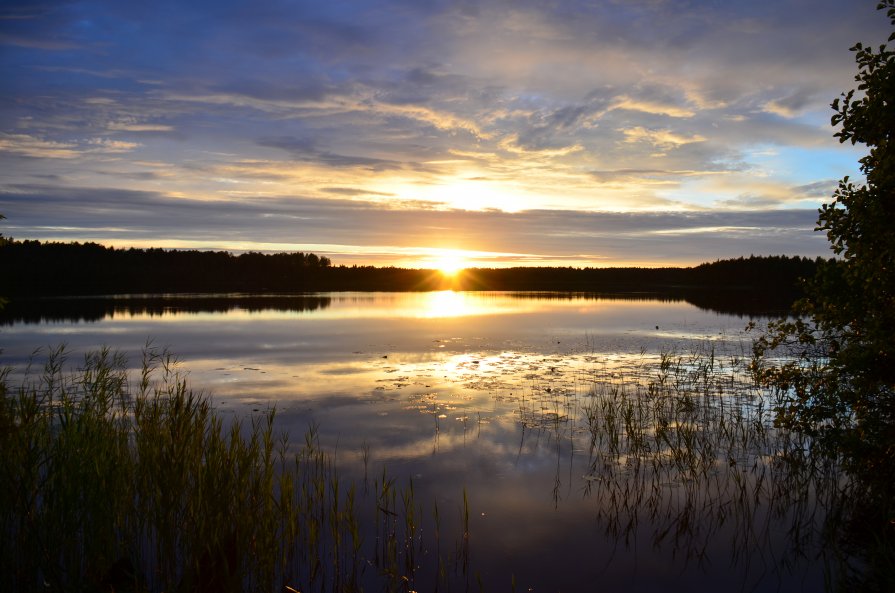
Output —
(493, 393)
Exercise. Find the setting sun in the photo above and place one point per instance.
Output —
(449, 265)
(447, 261)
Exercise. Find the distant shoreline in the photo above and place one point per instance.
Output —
(32, 269)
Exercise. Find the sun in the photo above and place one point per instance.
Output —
(449, 264)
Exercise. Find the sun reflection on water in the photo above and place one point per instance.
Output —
(447, 303)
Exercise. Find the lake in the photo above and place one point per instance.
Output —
(602, 443)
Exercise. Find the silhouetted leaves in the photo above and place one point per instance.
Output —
(839, 384)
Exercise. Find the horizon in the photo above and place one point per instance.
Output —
(429, 136)
(421, 259)
(450, 268)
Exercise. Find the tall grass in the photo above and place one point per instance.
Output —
(684, 449)
(691, 449)
(109, 486)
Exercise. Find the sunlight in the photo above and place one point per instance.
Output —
(447, 303)
(450, 264)
(468, 192)
(447, 261)
(475, 194)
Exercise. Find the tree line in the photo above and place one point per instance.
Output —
(34, 268)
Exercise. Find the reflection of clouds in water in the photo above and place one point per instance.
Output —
(454, 357)
(378, 324)
(343, 370)
(411, 407)
(494, 403)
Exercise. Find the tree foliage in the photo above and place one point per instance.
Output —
(854, 296)
(839, 383)
(42, 269)
(2, 240)
(845, 376)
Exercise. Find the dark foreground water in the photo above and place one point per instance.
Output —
(602, 444)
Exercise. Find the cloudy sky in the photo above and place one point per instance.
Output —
(585, 133)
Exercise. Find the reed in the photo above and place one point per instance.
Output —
(106, 485)
(686, 446)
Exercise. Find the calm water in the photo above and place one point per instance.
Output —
(487, 392)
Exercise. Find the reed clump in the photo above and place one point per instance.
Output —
(107, 485)
(690, 445)
(685, 449)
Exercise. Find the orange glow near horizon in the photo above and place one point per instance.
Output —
(450, 266)
(447, 261)
(402, 256)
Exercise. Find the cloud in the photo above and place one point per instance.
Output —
(424, 107)
(794, 103)
(32, 43)
(354, 191)
(29, 146)
(652, 107)
(138, 127)
(306, 149)
(109, 146)
(660, 138)
(345, 228)
(639, 175)
(758, 194)
(552, 133)
(537, 144)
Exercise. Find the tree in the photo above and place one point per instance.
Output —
(839, 383)
(845, 377)
(2, 300)
(853, 297)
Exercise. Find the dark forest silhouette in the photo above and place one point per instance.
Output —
(36, 269)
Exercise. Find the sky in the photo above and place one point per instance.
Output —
(412, 132)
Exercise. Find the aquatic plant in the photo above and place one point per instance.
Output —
(106, 485)
(685, 447)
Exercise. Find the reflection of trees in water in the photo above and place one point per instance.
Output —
(91, 309)
(733, 301)
(96, 309)
(683, 449)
